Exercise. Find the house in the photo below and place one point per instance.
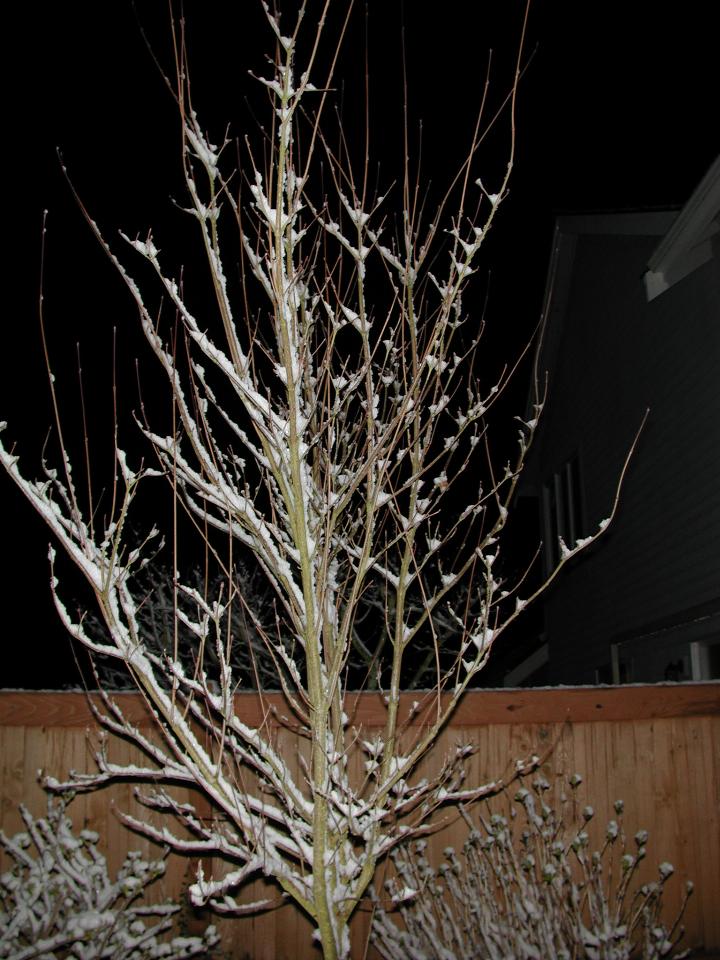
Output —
(632, 324)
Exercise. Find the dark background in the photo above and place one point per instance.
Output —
(617, 109)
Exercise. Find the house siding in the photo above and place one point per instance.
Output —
(618, 356)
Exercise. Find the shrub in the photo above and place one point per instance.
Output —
(57, 900)
(529, 894)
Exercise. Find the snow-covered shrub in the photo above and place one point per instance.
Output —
(528, 885)
(57, 899)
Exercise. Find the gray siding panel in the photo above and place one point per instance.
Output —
(618, 355)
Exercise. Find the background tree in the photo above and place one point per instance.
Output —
(328, 421)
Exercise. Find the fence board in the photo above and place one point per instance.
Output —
(657, 748)
(532, 706)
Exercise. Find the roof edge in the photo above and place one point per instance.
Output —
(688, 243)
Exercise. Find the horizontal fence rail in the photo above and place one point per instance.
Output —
(657, 748)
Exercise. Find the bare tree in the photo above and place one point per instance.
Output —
(325, 422)
(163, 615)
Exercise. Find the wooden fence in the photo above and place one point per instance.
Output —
(657, 748)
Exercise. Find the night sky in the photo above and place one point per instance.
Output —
(617, 110)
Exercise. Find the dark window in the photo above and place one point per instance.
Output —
(562, 511)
